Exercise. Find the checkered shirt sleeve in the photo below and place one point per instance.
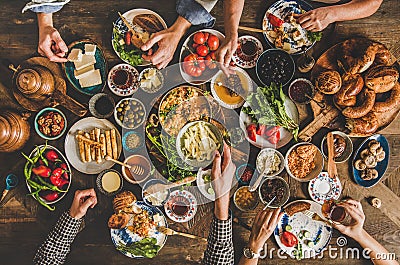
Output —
(220, 245)
(55, 248)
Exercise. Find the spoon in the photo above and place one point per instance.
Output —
(160, 186)
(11, 182)
(332, 169)
(270, 202)
(254, 185)
(135, 169)
(319, 103)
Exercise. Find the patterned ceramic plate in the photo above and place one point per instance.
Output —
(125, 236)
(241, 60)
(318, 232)
(282, 9)
(324, 188)
(182, 199)
(132, 83)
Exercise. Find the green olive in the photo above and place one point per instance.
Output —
(119, 109)
(127, 107)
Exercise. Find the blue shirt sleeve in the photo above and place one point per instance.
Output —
(195, 13)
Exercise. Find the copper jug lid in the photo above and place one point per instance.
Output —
(28, 81)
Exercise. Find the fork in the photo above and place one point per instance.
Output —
(170, 232)
(316, 217)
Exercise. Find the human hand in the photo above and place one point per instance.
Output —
(51, 44)
(316, 19)
(263, 227)
(222, 175)
(227, 49)
(83, 199)
(355, 228)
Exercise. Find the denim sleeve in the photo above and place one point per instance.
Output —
(195, 13)
(45, 6)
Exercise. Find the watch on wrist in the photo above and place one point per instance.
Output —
(249, 254)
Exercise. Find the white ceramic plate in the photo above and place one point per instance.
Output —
(192, 206)
(286, 136)
(248, 85)
(72, 150)
(125, 236)
(324, 188)
(202, 79)
(129, 15)
(320, 233)
(62, 157)
(203, 187)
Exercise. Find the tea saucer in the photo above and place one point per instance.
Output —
(244, 63)
(192, 201)
(130, 89)
(324, 188)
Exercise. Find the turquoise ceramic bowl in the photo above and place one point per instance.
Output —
(44, 111)
(101, 64)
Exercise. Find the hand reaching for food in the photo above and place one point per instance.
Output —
(226, 50)
(167, 41)
(315, 20)
(50, 44)
(83, 199)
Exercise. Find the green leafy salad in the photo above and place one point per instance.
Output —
(126, 51)
(267, 107)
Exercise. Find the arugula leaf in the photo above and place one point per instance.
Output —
(314, 36)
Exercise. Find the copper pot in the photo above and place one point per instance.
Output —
(36, 83)
(14, 130)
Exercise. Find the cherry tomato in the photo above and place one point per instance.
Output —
(194, 65)
(211, 60)
(194, 45)
(274, 20)
(288, 239)
(213, 42)
(202, 50)
(199, 38)
(251, 132)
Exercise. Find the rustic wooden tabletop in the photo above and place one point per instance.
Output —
(24, 224)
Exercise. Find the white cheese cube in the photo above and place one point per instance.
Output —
(75, 55)
(83, 72)
(86, 61)
(155, 81)
(90, 49)
(93, 79)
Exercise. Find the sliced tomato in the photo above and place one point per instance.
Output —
(274, 139)
(261, 128)
(251, 132)
(274, 20)
(271, 131)
(288, 239)
(128, 37)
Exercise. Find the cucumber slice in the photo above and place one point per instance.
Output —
(288, 228)
(306, 234)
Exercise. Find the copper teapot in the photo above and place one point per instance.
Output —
(38, 84)
(14, 130)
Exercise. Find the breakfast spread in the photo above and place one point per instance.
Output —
(97, 144)
(301, 160)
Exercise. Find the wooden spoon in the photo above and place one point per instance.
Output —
(332, 170)
(160, 186)
(135, 169)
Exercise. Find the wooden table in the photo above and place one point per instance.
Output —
(24, 224)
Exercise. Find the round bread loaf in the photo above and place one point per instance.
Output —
(328, 82)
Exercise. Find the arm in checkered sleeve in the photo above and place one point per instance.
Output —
(56, 247)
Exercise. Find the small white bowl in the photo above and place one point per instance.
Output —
(281, 166)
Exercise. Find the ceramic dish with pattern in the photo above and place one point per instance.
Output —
(119, 31)
(380, 167)
(312, 236)
(100, 64)
(248, 50)
(324, 188)
(126, 237)
(283, 32)
(123, 80)
(72, 149)
(230, 92)
(181, 206)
